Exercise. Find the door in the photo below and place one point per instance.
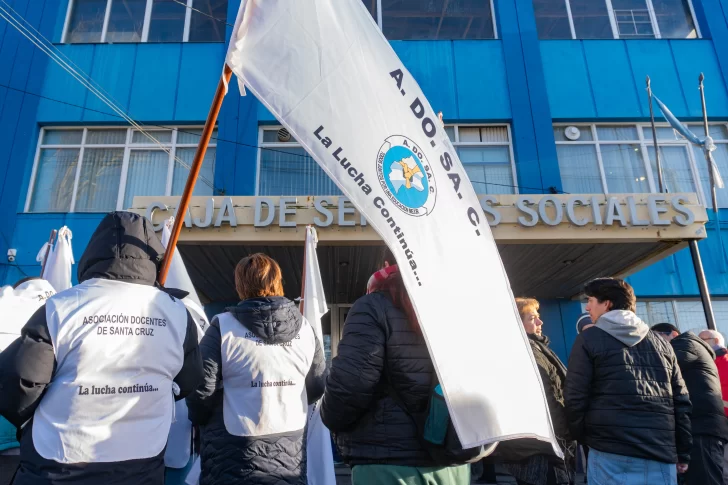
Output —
(338, 318)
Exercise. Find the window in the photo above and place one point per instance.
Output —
(116, 21)
(285, 168)
(591, 19)
(486, 155)
(615, 19)
(687, 315)
(618, 158)
(102, 169)
(434, 19)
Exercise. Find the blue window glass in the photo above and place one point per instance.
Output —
(168, 22)
(126, 21)
(208, 25)
(437, 19)
(86, 21)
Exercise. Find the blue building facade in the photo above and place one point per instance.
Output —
(539, 96)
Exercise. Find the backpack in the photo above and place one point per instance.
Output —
(437, 433)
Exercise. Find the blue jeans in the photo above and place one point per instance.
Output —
(609, 469)
(177, 476)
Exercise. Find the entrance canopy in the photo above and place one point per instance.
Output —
(550, 244)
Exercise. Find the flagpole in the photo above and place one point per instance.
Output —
(713, 195)
(694, 251)
(54, 234)
(184, 202)
(654, 139)
(303, 274)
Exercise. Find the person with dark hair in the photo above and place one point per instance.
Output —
(625, 396)
(93, 378)
(530, 461)
(381, 378)
(708, 421)
(263, 367)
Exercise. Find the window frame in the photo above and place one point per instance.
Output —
(127, 146)
(145, 28)
(645, 143)
(456, 143)
(379, 20)
(615, 27)
(674, 305)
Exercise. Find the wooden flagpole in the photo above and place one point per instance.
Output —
(184, 202)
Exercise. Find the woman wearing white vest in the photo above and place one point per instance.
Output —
(93, 378)
(263, 367)
(17, 304)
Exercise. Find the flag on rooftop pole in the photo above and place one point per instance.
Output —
(319, 456)
(706, 143)
(326, 72)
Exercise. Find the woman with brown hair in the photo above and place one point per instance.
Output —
(530, 461)
(382, 377)
(263, 367)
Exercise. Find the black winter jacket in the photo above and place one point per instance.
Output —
(378, 352)
(257, 460)
(697, 366)
(628, 400)
(125, 248)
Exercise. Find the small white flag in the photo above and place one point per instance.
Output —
(320, 459)
(58, 265)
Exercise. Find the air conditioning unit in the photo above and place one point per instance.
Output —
(572, 133)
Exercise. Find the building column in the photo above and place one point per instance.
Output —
(536, 162)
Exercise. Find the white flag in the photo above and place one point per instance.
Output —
(58, 265)
(320, 458)
(179, 444)
(325, 70)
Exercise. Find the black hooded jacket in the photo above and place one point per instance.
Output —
(125, 248)
(697, 365)
(625, 394)
(381, 354)
(262, 460)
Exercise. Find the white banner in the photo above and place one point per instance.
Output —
(325, 70)
(319, 456)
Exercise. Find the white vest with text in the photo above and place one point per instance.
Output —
(118, 347)
(18, 305)
(264, 385)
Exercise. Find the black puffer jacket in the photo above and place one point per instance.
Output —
(624, 392)
(379, 349)
(123, 248)
(257, 460)
(696, 360)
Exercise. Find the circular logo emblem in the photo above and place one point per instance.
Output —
(405, 176)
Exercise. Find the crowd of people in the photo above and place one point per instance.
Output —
(90, 385)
